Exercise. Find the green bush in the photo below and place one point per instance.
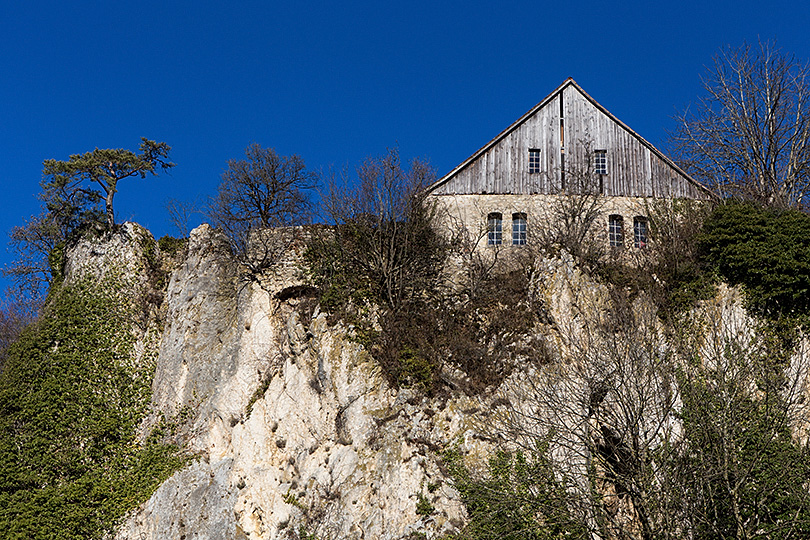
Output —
(765, 250)
(519, 499)
(70, 402)
(415, 369)
(170, 245)
(423, 505)
(740, 473)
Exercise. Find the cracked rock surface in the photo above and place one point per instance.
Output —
(291, 422)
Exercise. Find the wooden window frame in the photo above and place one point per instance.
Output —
(600, 162)
(534, 161)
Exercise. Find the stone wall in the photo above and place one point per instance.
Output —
(542, 211)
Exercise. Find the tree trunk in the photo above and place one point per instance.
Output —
(108, 203)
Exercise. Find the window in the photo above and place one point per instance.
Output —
(600, 160)
(616, 230)
(494, 229)
(640, 232)
(519, 229)
(534, 161)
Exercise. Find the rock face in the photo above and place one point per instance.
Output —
(121, 257)
(293, 426)
(294, 431)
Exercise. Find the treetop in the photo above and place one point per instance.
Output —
(107, 166)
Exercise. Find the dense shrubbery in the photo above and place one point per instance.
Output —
(383, 267)
(382, 262)
(519, 499)
(70, 401)
(171, 246)
(670, 270)
(739, 472)
(765, 250)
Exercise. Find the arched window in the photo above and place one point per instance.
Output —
(616, 230)
(640, 232)
(519, 229)
(494, 229)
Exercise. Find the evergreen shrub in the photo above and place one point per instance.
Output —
(764, 249)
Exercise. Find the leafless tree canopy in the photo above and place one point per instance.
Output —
(385, 224)
(180, 213)
(33, 244)
(748, 136)
(659, 435)
(16, 313)
(262, 191)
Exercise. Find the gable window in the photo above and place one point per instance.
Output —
(494, 229)
(640, 232)
(519, 229)
(534, 161)
(600, 161)
(616, 230)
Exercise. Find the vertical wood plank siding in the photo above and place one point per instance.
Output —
(504, 167)
(634, 169)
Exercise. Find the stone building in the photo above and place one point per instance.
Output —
(566, 147)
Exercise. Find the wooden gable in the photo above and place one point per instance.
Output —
(564, 132)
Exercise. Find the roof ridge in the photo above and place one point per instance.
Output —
(517, 123)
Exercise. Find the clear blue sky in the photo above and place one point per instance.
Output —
(335, 81)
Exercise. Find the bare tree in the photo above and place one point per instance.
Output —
(180, 213)
(574, 227)
(749, 135)
(575, 214)
(696, 430)
(265, 190)
(35, 245)
(605, 410)
(15, 314)
(385, 226)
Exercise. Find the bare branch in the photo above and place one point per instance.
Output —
(748, 136)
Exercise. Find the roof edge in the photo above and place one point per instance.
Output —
(514, 125)
(643, 141)
(568, 82)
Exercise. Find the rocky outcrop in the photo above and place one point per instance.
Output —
(120, 257)
(291, 427)
(291, 423)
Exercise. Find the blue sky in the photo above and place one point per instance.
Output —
(335, 82)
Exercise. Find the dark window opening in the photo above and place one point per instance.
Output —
(640, 232)
(494, 229)
(519, 229)
(616, 230)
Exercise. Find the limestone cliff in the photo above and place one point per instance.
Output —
(294, 431)
(291, 421)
